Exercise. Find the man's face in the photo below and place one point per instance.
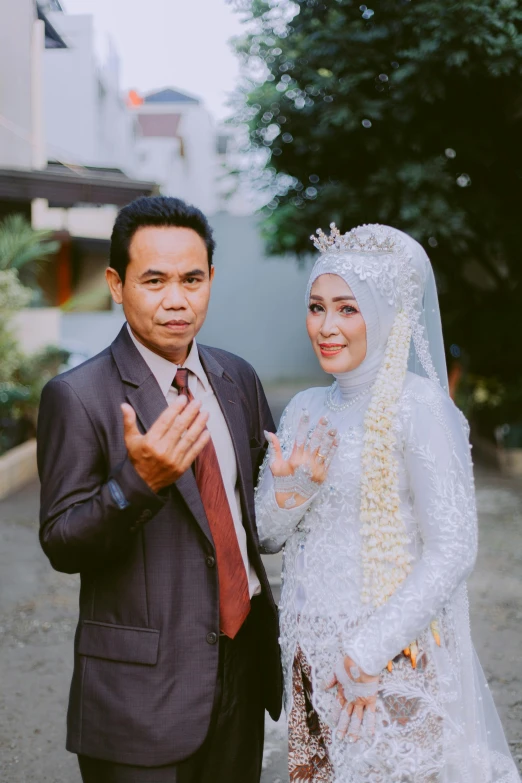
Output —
(167, 289)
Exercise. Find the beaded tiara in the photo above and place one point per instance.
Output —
(363, 239)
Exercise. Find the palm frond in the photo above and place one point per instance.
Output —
(21, 244)
(96, 299)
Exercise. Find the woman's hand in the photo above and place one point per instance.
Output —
(357, 695)
(299, 477)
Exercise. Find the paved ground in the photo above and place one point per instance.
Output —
(38, 612)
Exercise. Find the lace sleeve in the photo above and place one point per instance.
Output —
(275, 524)
(438, 463)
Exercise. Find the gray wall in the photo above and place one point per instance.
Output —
(89, 333)
(257, 307)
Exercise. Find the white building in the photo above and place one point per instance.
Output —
(25, 34)
(86, 119)
(37, 104)
(167, 136)
(177, 146)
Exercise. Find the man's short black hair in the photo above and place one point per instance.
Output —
(155, 211)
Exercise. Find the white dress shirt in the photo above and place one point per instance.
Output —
(164, 372)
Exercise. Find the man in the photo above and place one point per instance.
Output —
(148, 454)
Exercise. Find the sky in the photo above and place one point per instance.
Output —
(178, 43)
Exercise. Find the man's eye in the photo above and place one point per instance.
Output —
(192, 280)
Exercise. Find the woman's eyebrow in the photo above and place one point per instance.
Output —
(335, 298)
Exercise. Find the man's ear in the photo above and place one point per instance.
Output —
(115, 284)
(211, 272)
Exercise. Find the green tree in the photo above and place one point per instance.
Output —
(405, 112)
(13, 296)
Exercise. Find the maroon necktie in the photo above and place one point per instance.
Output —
(234, 599)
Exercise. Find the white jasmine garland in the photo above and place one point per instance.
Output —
(385, 557)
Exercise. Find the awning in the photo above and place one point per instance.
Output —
(63, 187)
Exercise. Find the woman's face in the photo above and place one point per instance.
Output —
(335, 325)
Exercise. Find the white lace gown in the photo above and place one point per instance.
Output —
(436, 723)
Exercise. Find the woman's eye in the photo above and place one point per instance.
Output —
(348, 310)
(315, 308)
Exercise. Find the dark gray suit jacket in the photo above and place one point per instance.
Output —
(146, 656)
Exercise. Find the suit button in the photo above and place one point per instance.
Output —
(212, 638)
(210, 561)
(146, 514)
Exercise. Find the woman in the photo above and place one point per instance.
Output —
(369, 487)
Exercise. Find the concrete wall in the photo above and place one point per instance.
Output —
(37, 327)
(189, 171)
(16, 77)
(159, 160)
(116, 125)
(90, 333)
(86, 120)
(93, 222)
(199, 138)
(70, 91)
(257, 308)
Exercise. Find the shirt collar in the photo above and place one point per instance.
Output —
(164, 371)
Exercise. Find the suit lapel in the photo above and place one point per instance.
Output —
(147, 399)
(229, 399)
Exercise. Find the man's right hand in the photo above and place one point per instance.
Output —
(169, 448)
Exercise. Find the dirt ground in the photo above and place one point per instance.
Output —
(38, 613)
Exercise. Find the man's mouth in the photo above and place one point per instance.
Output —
(176, 325)
(331, 349)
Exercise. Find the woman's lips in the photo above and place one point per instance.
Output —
(330, 349)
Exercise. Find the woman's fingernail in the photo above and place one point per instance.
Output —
(332, 433)
(268, 436)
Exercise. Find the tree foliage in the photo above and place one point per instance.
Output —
(405, 112)
(22, 377)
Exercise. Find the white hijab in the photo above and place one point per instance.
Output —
(379, 304)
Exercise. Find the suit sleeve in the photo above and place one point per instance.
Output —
(262, 421)
(88, 514)
(265, 419)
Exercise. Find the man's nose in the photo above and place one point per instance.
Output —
(174, 298)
